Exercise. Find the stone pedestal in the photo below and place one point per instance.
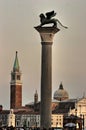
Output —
(46, 34)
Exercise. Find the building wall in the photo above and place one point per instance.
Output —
(33, 120)
(28, 120)
(3, 119)
(57, 120)
(16, 96)
(80, 109)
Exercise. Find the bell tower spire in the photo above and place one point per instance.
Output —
(16, 85)
(16, 63)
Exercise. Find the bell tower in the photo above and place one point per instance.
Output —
(16, 85)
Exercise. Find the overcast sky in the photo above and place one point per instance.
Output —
(17, 33)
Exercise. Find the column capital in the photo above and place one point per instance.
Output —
(47, 33)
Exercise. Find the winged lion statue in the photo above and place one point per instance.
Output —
(47, 19)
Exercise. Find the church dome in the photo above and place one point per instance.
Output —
(61, 93)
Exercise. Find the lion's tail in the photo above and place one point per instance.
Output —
(61, 24)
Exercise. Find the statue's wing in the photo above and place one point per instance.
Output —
(50, 14)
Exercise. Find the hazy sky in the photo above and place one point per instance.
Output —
(17, 33)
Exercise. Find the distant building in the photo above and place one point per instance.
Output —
(27, 118)
(76, 107)
(63, 109)
(65, 106)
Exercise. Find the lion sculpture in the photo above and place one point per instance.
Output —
(48, 19)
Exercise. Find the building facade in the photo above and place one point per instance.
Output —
(80, 109)
(26, 118)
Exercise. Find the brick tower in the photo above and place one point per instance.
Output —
(16, 86)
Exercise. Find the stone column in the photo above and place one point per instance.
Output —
(46, 34)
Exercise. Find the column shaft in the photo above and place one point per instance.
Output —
(46, 85)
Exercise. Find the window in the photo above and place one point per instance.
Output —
(18, 77)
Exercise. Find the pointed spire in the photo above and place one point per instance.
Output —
(36, 97)
(16, 63)
(61, 86)
(36, 92)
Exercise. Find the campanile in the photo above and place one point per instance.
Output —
(16, 85)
